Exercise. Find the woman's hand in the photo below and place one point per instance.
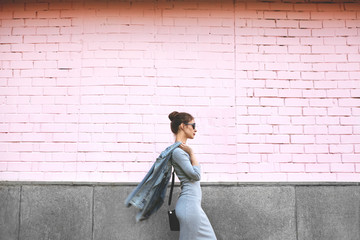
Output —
(189, 150)
(186, 148)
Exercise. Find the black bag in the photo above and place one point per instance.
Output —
(173, 220)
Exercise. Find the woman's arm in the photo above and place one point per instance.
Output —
(181, 158)
(188, 149)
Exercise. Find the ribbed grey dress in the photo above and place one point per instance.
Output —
(194, 224)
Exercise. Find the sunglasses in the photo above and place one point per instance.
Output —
(192, 124)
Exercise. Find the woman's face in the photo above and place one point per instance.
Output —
(189, 129)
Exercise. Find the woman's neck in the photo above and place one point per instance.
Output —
(181, 138)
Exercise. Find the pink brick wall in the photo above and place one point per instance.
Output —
(86, 87)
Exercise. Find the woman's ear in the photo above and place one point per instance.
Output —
(181, 126)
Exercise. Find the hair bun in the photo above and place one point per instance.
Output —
(173, 115)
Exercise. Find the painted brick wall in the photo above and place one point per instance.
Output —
(86, 87)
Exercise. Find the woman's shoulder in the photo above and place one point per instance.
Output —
(179, 152)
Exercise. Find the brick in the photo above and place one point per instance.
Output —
(314, 111)
(325, 84)
(355, 111)
(346, 49)
(316, 148)
(10, 56)
(260, 129)
(45, 31)
(59, 22)
(352, 23)
(335, 58)
(323, 49)
(45, 64)
(328, 120)
(328, 158)
(51, 167)
(299, 49)
(317, 168)
(341, 148)
(23, 31)
(65, 137)
(288, 75)
(345, 32)
(118, 166)
(347, 66)
(277, 139)
(355, 93)
(38, 137)
(48, 14)
(350, 138)
(312, 75)
(275, 15)
(314, 93)
(324, 32)
(335, 41)
(340, 130)
(302, 139)
(351, 158)
(58, 38)
(12, 23)
(34, 39)
(289, 23)
(315, 129)
(275, 32)
(290, 129)
(249, 158)
(347, 177)
(320, 139)
(290, 93)
(266, 111)
(261, 148)
(299, 33)
(10, 157)
(20, 147)
(22, 47)
(323, 102)
(273, 49)
(292, 167)
(333, 23)
(349, 102)
(324, 66)
(313, 58)
(342, 167)
(18, 167)
(298, 15)
(262, 167)
(310, 24)
(19, 127)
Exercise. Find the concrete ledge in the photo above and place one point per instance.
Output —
(7, 183)
(291, 211)
(9, 212)
(56, 212)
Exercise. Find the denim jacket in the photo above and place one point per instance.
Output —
(149, 194)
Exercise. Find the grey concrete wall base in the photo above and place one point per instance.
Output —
(56, 212)
(9, 212)
(255, 211)
(328, 212)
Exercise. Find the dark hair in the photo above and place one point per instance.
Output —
(178, 118)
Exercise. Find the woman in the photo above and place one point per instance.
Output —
(194, 224)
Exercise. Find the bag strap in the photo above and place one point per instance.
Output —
(172, 186)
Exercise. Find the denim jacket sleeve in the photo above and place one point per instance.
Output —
(149, 194)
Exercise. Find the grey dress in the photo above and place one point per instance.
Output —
(194, 224)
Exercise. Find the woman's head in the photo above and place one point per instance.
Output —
(182, 121)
